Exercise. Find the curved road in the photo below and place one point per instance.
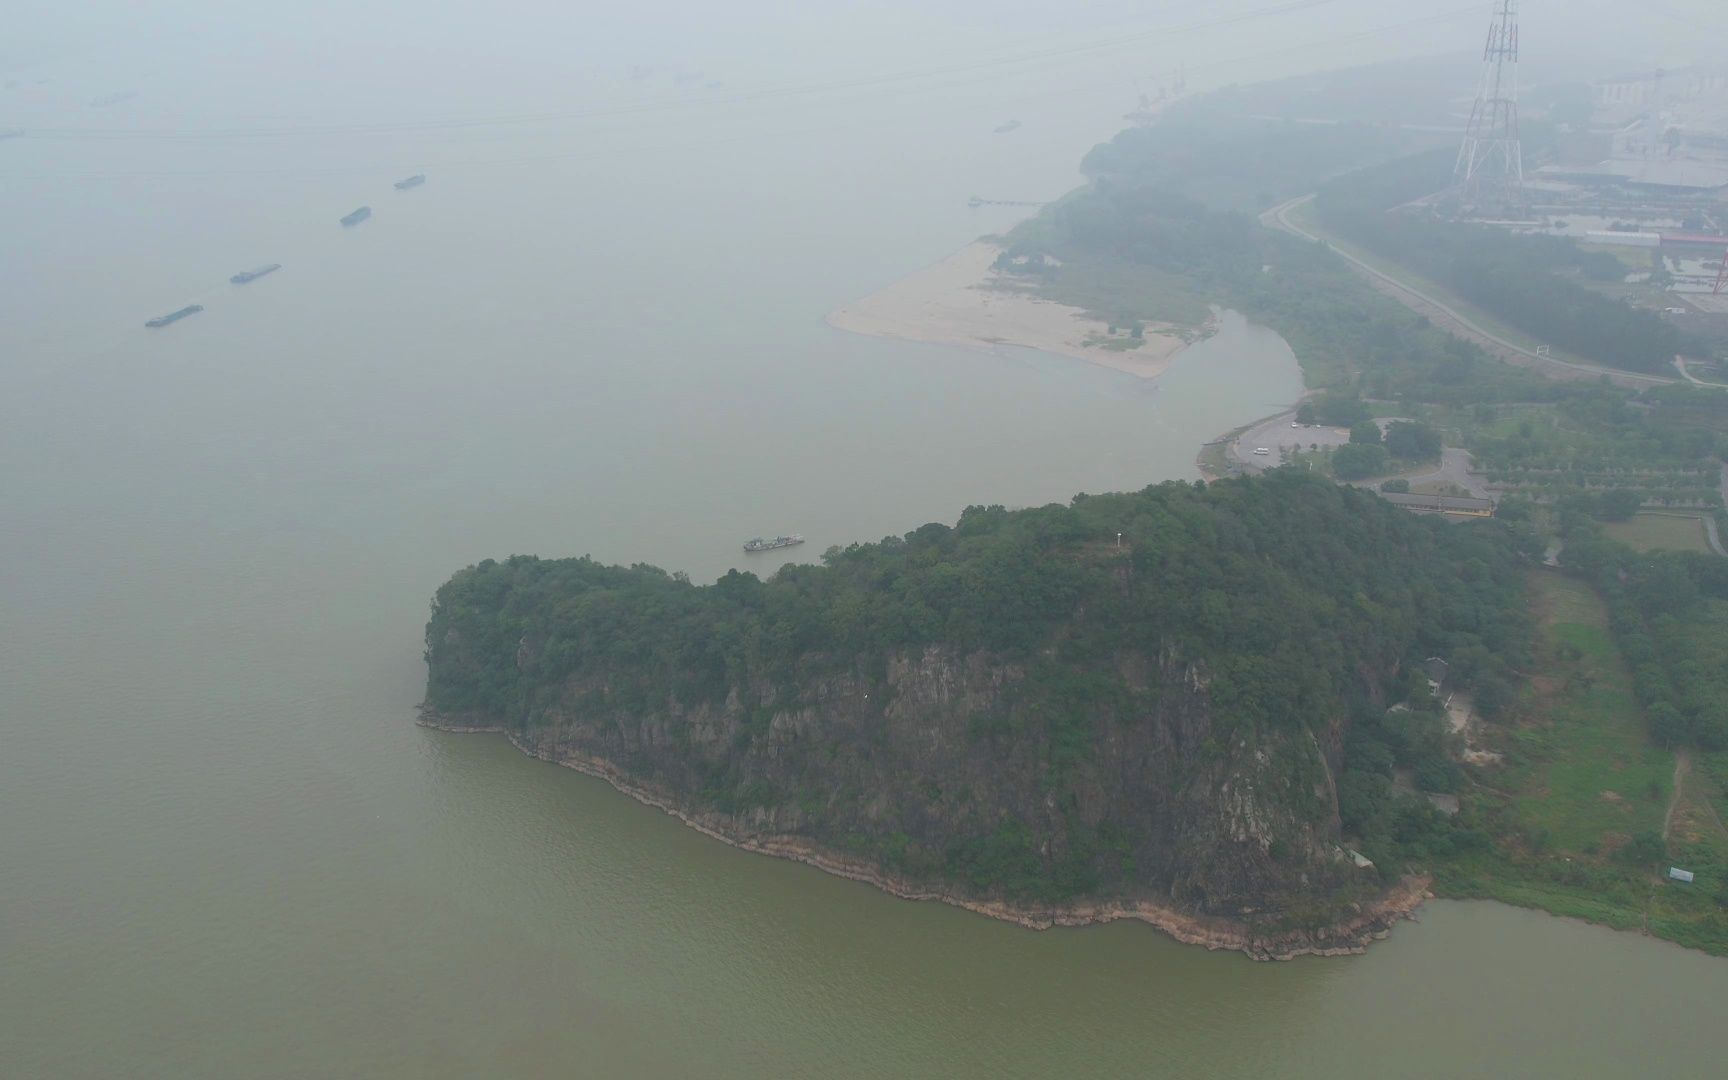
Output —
(1279, 218)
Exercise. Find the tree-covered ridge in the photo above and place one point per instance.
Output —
(1021, 705)
(1284, 588)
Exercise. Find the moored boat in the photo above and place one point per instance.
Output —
(770, 544)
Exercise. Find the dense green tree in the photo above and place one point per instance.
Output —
(1333, 410)
(1358, 461)
(1410, 441)
(1618, 505)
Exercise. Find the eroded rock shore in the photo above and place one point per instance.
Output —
(1371, 922)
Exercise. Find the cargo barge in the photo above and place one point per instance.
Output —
(255, 273)
(174, 316)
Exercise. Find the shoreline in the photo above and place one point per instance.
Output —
(961, 301)
(1373, 922)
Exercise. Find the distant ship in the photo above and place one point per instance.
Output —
(1012, 125)
(254, 274)
(358, 216)
(11, 133)
(759, 544)
(412, 182)
(174, 316)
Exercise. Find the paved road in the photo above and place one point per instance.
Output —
(1279, 218)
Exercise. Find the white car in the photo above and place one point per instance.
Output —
(1261, 451)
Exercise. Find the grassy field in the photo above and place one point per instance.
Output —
(1577, 820)
(1586, 776)
(1660, 532)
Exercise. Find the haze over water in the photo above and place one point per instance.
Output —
(225, 850)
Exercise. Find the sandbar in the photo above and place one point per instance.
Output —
(963, 301)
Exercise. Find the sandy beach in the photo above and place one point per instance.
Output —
(962, 301)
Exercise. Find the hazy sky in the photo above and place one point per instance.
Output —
(743, 37)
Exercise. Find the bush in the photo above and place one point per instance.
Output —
(1645, 849)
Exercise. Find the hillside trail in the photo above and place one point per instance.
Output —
(1682, 766)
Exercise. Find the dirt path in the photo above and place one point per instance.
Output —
(1682, 766)
(1680, 366)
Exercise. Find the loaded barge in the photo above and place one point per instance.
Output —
(174, 316)
(255, 273)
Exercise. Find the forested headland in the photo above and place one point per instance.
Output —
(1025, 709)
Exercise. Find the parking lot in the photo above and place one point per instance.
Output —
(1278, 435)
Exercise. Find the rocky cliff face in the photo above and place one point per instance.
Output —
(928, 772)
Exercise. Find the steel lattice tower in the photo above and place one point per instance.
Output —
(1492, 153)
